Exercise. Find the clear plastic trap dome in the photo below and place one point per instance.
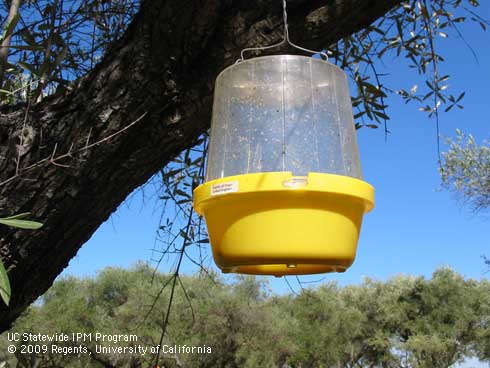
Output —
(283, 192)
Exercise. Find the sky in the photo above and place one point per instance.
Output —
(415, 227)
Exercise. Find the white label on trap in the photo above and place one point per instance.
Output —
(223, 188)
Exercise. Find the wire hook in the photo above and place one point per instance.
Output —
(285, 40)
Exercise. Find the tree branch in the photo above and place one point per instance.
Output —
(10, 23)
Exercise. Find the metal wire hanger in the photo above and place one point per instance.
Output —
(285, 40)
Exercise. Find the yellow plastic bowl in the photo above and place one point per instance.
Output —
(277, 224)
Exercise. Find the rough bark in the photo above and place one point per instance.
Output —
(159, 74)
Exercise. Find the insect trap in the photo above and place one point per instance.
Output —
(283, 193)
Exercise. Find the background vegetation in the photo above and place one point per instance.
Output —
(404, 322)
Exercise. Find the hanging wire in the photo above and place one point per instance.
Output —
(285, 40)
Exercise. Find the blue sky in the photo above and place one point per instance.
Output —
(414, 227)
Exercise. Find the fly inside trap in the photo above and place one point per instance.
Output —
(283, 193)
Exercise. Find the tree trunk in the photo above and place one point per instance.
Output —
(63, 161)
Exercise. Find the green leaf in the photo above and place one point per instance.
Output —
(30, 68)
(461, 96)
(6, 92)
(171, 173)
(28, 37)
(181, 193)
(9, 29)
(5, 291)
(183, 234)
(17, 217)
(22, 224)
(382, 115)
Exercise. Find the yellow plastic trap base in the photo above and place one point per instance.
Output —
(277, 224)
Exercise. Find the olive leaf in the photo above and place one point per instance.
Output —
(4, 284)
(17, 221)
(14, 221)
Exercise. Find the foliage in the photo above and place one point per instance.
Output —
(412, 31)
(465, 170)
(58, 41)
(18, 221)
(405, 322)
(14, 221)
(437, 319)
(5, 291)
